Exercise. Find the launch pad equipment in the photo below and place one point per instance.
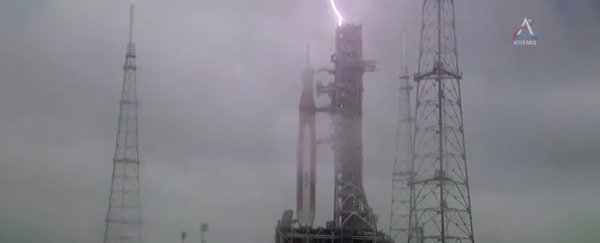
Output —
(354, 221)
(351, 208)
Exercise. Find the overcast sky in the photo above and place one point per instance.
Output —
(219, 83)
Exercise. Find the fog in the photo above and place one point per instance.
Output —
(219, 83)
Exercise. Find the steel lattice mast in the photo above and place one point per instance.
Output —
(440, 199)
(351, 209)
(399, 214)
(123, 219)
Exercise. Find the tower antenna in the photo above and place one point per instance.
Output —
(131, 7)
(404, 58)
(124, 216)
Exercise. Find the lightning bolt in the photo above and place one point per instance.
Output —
(337, 12)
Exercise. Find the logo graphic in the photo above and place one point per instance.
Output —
(523, 35)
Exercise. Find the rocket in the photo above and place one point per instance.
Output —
(306, 153)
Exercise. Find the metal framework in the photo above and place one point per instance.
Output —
(123, 219)
(440, 200)
(351, 208)
(399, 214)
(327, 235)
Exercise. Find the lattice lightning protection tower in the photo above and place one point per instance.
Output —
(400, 209)
(123, 219)
(440, 199)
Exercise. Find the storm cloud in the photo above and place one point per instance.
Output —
(219, 82)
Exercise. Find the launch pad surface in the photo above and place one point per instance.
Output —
(328, 235)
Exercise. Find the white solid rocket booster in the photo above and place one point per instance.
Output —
(306, 153)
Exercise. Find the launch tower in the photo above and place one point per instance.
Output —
(351, 208)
